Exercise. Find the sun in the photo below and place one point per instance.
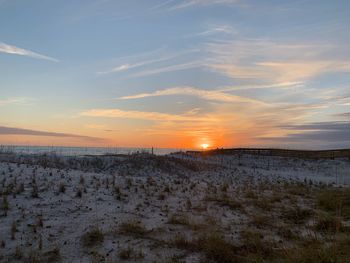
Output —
(204, 146)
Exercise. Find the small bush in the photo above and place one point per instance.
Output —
(52, 255)
(35, 191)
(315, 252)
(296, 214)
(217, 249)
(20, 188)
(5, 205)
(328, 223)
(129, 253)
(253, 243)
(117, 193)
(13, 230)
(260, 220)
(125, 253)
(335, 201)
(178, 220)
(18, 253)
(79, 193)
(181, 242)
(62, 188)
(81, 180)
(231, 203)
(92, 237)
(132, 228)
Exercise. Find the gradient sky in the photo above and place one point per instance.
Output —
(175, 73)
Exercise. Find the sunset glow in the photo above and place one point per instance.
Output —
(147, 130)
(183, 74)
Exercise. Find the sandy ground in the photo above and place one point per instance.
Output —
(144, 208)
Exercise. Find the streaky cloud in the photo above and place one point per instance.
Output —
(125, 67)
(146, 59)
(171, 68)
(281, 85)
(274, 61)
(193, 3)
(212, 95)
(146, 115)
(345, 115)
(20, 131)
(317, 135)
(10, 49)
(162, 4)
(17, 101)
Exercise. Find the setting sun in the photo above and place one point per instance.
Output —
(204, 146)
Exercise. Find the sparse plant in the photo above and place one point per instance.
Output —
(132, 228)
(62, 188)
(40, 222)
(125, 253)
(18, 253)
(52, 255)
(130, 253)
(40, 243)
(335, 201)
(79, 193)
(81, 180)
(178, 219)
(92, 237)
(5, 204)
(20, 188)
(188, 204)
(254, 243)
(13, 230)
(35, 191)
(224, 187)
(296, 214)
(161, 197)
(328, 223)
(217, 249)
(117, 193)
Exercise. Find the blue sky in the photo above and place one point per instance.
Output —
(175, 73)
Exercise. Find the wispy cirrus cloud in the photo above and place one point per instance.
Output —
(125, 67)
(176, 5)
(279, 85)
(211, 95)
(146, 115)
(10, 49)
(169, 68)
(162, 4)
(285, 71)
(272, 62)
(151, 62)
(218, 29)
(258, 60)
(17, 101)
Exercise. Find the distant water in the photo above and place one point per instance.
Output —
(79, 151)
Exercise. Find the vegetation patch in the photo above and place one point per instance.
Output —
(93, 237)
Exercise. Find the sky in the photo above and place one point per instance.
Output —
(175, 73)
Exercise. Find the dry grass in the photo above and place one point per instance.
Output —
(335, 201)
(181, 219)
(130, 254)
(327, 223)
(296, 214)
(133, 228)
